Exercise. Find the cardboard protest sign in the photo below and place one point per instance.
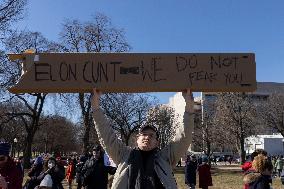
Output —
(135, 72)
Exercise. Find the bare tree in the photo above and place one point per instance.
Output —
(11, 11)
(56, 135)
(98, 35)
(127, 112)
(208, 127)
(236, 115)
(164, 119)
(272, 112)
(11, 71)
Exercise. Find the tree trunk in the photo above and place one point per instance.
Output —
(86, 138)
(243, 152)
(242, 139)
(28, 150)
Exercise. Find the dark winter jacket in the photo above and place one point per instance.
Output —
(205, 178)
(190, 172)
(256, 180)
(12, 174)
(57, 175)
(79, 168)
(34, 172)
(95, 174)
(282, 177)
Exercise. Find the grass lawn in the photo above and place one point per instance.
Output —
(223, 178)
(230, 178)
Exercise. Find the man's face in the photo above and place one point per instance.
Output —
(147, 140)
(96, 153)
(51, 164)
(3, 160)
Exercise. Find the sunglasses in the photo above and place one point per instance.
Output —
(2, 158)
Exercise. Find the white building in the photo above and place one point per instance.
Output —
(177, 102)
(273, 144)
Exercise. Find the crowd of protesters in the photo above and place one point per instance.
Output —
(143, 167)
(89, 171)
(92, 171)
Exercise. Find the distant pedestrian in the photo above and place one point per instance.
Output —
(95, 172)
(205, 178)
(190, 171)
(279, 165)
(215, 160)
(79, 167)
(70, 172)
(179, 163)
(273, 161)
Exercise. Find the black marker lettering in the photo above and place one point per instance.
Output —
(38, 73)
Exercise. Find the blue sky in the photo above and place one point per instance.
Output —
(190, 26)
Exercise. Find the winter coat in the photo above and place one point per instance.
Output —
(57, 174)
(256, 180)
(282, 177)
(79, 168)
(95, 174)
(12, 174)
(165, 159)
(246, 166)
(70, 172)
(205, 178)
(190, 172)
(279, 164)
(34, 172)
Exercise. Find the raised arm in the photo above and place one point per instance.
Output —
(178, 148)
(114, 147)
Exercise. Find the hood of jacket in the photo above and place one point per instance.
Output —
(251, 177)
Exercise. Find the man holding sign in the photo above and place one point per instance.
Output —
(147, 166)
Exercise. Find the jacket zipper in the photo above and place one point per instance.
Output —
(162, 169)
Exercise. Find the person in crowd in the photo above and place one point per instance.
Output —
(145, 166)
(46, 183)
(247, 166)
(70, 172)
(55, 171)
(215, 160)
(279, 165)
(190, 171)
(179, 163)
(20, 166)
(10, 175)
(260, 178)
(95, 172)
(34, 172)
(205, 178)
(273, 161)
(230, 158)
(282, 177)
(79, 168)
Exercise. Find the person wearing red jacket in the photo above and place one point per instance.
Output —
(205, 178)
(10, 174)
(247, 166)
(70, 172)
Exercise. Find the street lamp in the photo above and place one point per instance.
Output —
(15, 146)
